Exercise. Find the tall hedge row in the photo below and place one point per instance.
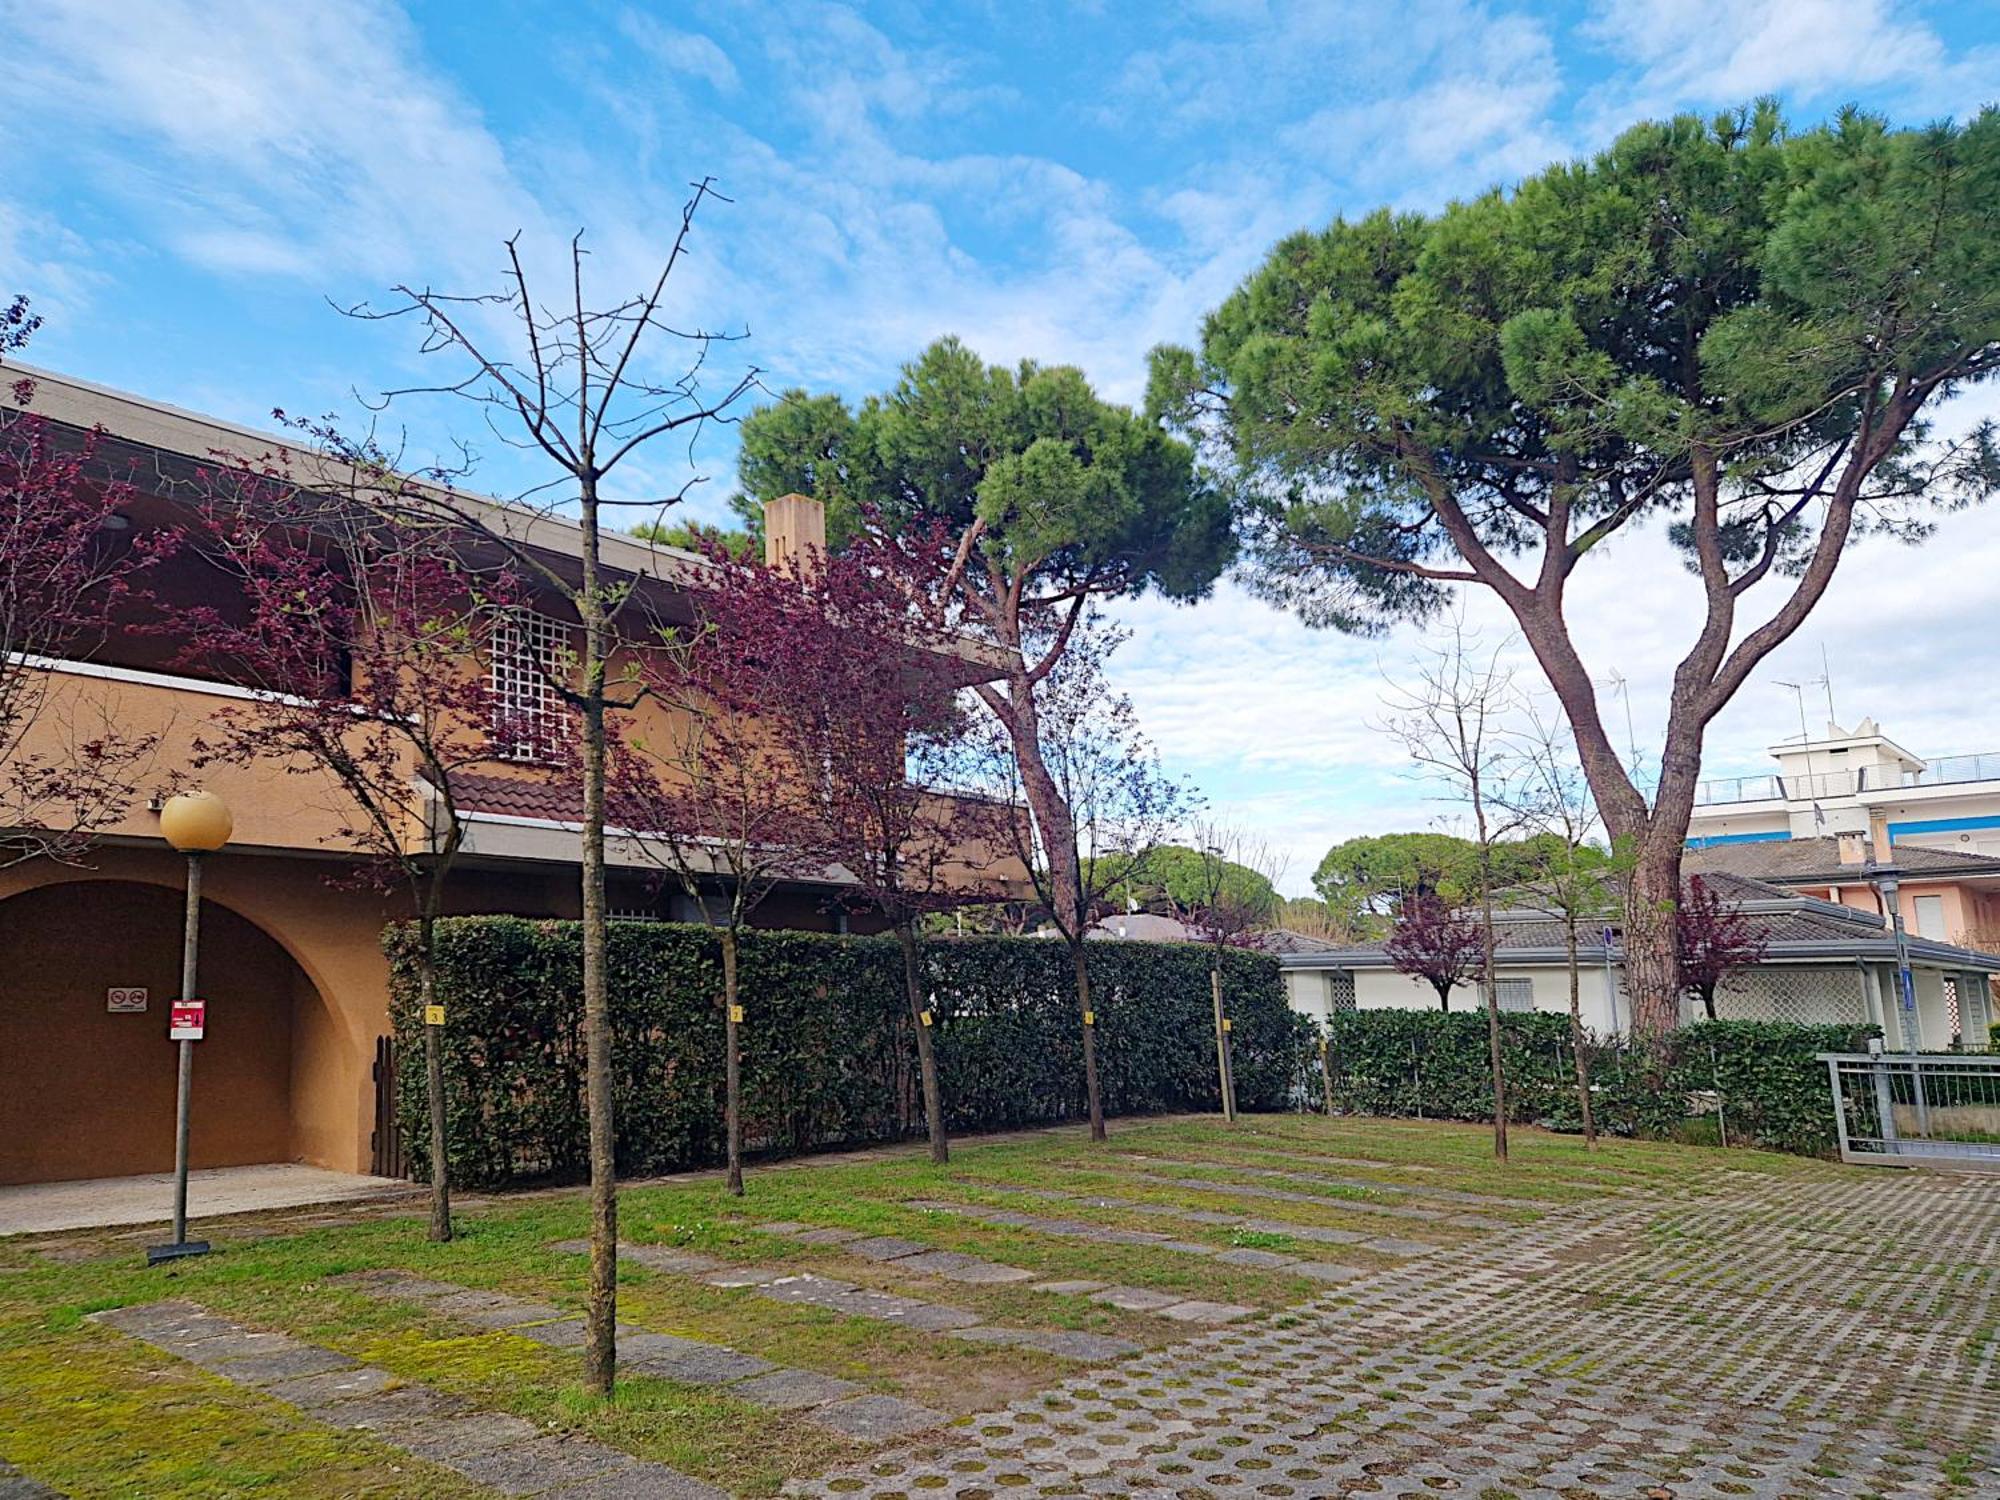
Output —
(1765, 1076)
(828, 1053)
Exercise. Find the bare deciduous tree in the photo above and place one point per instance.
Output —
(1451, 719)
(573, 387)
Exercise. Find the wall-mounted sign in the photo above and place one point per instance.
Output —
(125, 1000)
(186, 1020)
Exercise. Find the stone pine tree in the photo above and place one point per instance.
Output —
(581, 390)
(1045, 497)
(1726, 330)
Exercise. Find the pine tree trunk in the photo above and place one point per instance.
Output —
(1652, 960)
(1080, 962)
(440, 1227)
(1057, 823)
(906, 938)
(600, 1356)
(732, 1066)
(1576, 1035)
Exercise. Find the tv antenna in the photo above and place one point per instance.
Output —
(1623, 690)
(1798, 691)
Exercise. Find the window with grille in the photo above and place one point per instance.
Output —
(1339, 992)
(1515, 994)
(528, 653)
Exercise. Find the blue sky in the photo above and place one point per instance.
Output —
(189, 190)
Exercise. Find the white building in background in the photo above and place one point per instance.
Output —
(1857, 781)
(1824, 963)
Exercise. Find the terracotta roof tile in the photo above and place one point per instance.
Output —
(518, 797)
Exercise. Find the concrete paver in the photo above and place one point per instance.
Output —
(108, 1202)
(1811, 1340)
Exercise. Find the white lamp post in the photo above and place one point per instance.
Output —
(194, 823)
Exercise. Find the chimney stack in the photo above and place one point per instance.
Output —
(794, 530)
(1853, 850)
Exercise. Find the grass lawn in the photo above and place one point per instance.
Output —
(94, 1413)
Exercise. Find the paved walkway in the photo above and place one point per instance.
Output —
(107, 1202)
(1782, 1338)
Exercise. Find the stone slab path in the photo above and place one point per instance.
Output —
(1819, 1339)
(509, 1455)
(14, 1485)
(839, 1405)
(1360, 1184)
(1080, 1229)
(1457, 1218)
(854, 1301)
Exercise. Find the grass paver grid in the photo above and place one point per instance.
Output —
(490, 1448)
(829, 1402)
(1926, 1278)
(1761, 1341)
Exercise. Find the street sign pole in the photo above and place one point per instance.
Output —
(189, 1010)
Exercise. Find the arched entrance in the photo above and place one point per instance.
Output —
(86, 1091)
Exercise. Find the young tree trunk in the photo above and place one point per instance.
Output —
(440, 1228)
(1494, 1050)
(1576, 1036)
(1222, 1043)
(1080, 962)
(906, 939)
(1708, 1001)
(732, 1068)
(600, 1356)
(1488, 944)
(1444, 997)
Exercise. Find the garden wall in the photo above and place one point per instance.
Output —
(828, 1053)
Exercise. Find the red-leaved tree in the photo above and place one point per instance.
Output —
(1122, 807)
(718, 795)
(366, 639)
(862, 694)
(1715, 940)
(70, 566)
(1436, 942)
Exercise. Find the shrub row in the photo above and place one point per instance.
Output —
(829, 1058)
(1765, 1076)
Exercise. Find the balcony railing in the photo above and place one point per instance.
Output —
(1740, 789)
(1948, 770)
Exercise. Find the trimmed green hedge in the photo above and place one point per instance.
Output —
(828, 1055)
(1771, 1088)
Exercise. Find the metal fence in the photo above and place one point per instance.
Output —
(1915, 1109)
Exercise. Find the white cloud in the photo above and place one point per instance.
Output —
(1683, 53)
(302, 140)
(682, 51)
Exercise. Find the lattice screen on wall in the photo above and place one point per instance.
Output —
(1806, 996)
(1340, 991)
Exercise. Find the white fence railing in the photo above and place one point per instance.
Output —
(1916, 1108)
